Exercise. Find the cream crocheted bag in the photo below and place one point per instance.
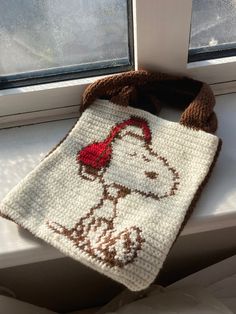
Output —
(115, 193)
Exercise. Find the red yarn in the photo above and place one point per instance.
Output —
(139, 122)
(98, 155)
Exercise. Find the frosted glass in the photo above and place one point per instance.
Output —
(213, 23)
(46, 34)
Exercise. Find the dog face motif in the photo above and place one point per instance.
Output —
(121, 167)
(131, 163)
(141, 170)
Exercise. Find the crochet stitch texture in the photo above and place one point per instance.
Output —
(115, 193)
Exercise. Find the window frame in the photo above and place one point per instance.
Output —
(171, 20)
(158, 45)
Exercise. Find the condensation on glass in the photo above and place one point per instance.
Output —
(213, 25)
(37, 35)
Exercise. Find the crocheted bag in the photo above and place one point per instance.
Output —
(116, 191)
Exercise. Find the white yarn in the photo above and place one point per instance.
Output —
(157, 180)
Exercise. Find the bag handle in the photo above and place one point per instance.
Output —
(137, 87)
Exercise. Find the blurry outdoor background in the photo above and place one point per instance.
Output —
(45, 34)
(41, 34)
(213, 23)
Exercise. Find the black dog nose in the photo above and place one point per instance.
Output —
(151, 174)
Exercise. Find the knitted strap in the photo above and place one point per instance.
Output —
(137, 87)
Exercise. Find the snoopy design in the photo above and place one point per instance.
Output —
(97, 232)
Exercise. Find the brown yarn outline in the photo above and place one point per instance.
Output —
(83, 243)
(201, 187)
(151, 174)
(194, 201)
(109, 256)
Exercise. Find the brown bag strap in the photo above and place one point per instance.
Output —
(141, 87)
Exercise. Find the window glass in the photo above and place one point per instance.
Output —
(213, 29)
(59, 35)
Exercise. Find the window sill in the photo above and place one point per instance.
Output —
(22, 149)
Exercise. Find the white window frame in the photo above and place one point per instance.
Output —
(163, 32)
(161, 40)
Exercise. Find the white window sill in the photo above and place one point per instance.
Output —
(22, 149)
